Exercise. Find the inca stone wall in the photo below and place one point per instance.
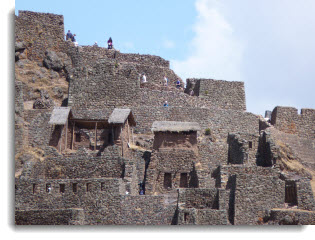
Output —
(104, 84)
(220, 121)
(19, 138)
(154, 67)
(40, 32)
(202, 217)
(50, 217)
(81, 164)
(288, 120)
(143, 59)
(223, 94)
(291, 217)
(100, 205)
(303, 148)
(38, 130)
(243, 148)
(254, 194)
(183, 161)
(146, 210)
(305, 197)
(199, 198)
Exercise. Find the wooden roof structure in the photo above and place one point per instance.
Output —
(59, 115)
(119, 116)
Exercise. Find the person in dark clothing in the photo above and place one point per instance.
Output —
(110, 43)
(72, 38)
(178, 84)
(141, 188)
(69, 35)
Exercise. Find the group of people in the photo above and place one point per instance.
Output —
(166, 81)
(71, 37)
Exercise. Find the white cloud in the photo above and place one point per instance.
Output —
(128, 45)
(168, 43)
(214, 51)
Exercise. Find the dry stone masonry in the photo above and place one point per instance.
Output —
(94, 145)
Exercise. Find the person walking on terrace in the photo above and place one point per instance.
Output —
(110, 43)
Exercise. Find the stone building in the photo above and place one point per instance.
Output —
(174, 157)
(94, 147)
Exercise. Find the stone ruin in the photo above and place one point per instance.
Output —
(96, 146)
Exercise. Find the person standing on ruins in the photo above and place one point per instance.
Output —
(165, 81)
(110, 43)
(69, 35)
(178, 84)
(165, 104)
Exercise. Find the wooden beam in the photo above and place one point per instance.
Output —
(133, 139)
(59, 141)
(95, 135)
(113, 136)
(66, 135)
(122, 143)
(128, 131)
(73, 125)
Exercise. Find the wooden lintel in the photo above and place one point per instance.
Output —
(66, 135)
(73, 128)
(95, 135)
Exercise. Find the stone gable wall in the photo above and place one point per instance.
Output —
(222, 94)
(254, 194)
(40, 32)
(288, 120)
(173, 161)
(38, 130)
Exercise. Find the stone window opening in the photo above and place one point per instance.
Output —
(186, 215)
(34, 188)
(77, 137)
(250, 144)
(102, 186)
(290, 193)
(167, 180)
(183, 182)
(62, 188)
(48, 187)
(88, 187)
(74, 187)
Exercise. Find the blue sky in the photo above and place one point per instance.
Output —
(267, 44)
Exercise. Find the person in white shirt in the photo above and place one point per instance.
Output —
(144, 78)
(165, 81)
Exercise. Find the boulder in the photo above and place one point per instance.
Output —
(20, 46)
(41, 103)
(53, 61)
